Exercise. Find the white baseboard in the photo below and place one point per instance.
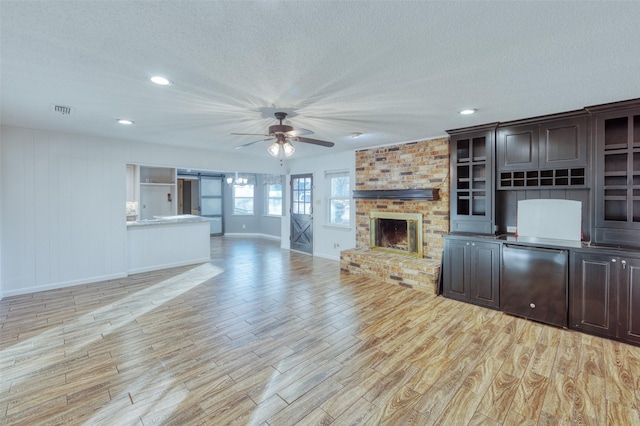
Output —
(327, 256)
(253, 235)
(54, 286)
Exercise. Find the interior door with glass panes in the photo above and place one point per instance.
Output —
(302, 213)
(211, 202)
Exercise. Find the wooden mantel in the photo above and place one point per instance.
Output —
(429, 194)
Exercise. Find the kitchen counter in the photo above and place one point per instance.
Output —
(166, 242)
(168, 220)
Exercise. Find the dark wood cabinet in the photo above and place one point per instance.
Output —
(563, 143)
(617, 174)
(471, 271)
(517, 147)
(472, 179)
(544, 153)
(605, 295)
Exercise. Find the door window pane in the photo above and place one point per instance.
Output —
(212, 206)
(211, 187)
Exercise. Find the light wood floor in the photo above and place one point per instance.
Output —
(264, 336)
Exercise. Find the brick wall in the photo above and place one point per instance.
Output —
(423, 164)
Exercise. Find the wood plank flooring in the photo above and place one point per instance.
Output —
(264, 336)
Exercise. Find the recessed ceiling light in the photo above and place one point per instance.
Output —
(162, 81)
(125, 121)
(468, 111)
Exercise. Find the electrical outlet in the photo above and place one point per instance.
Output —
(511, 229)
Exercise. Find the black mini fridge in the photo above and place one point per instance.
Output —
(534, 283)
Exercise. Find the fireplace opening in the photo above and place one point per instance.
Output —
(397, 232)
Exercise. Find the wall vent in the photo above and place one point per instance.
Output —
(62, 110)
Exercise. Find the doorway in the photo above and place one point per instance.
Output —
(200, 193)
(189, 195)
(302, 213)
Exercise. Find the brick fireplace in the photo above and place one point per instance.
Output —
(423, 164)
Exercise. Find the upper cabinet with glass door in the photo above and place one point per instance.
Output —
(617, 140)
(472, 179)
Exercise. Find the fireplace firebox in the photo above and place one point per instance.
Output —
(399, 233)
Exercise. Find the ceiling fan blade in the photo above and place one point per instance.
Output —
(249, 134)
(298, 132)
(251, 143)
(313, 141)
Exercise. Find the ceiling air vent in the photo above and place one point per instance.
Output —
(62, 110)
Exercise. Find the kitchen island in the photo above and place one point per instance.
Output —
(167, 241)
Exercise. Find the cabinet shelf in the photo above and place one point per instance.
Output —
(616, 173)
(615, 146)
(555, 178)
(615, 187)
(615, 198)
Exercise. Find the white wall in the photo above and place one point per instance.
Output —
(2, 191)
(62, 203)
(62, 215)
(328, 240)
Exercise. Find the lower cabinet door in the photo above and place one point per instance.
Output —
(593, 292)
(456, 269)
(472, 271)
(630, 300)
(485, 274)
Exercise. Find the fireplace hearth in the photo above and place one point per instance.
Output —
(399, 233)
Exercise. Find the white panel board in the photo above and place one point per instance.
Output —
(557, 219)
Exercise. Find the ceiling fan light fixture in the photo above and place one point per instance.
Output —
(288, 149)
(274, 149)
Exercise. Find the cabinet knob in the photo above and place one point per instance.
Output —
(532, 305)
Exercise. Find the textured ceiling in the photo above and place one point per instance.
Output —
(395, 71)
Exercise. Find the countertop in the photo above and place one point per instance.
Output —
(546, 242)
(168, 220)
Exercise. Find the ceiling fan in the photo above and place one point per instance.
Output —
(282, 135)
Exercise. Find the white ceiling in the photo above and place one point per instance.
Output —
(395, 71)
